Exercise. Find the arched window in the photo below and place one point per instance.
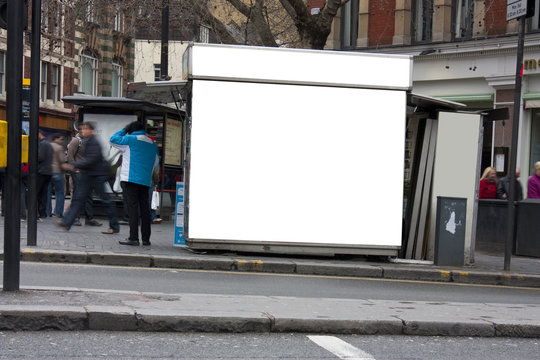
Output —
(89, 73)
(117, 79)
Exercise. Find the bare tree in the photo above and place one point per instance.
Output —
(277, 22)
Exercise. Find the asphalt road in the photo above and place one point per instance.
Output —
(214, 282)
(134, 345)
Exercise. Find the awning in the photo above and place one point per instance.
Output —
(531, 100)
(118, 103)
(164, 92)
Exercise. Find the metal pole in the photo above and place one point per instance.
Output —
(31, 239)
(511, 216)
(165, 40)
(12, 225)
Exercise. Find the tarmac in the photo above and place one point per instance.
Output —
(79, 309)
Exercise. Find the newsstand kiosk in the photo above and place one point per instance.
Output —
(291, 151)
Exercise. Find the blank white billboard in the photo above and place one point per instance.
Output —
(296, 164)
(267, 64)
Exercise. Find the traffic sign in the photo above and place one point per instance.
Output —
(515, 9)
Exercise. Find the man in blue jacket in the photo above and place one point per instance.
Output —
(139, 157)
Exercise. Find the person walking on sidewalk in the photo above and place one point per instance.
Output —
(44, 169)
(95, 173)
(75, 152)
(139, 157)
(57, 179)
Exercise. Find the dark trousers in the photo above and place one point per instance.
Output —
(137, 201)
(87, 184)
(88, 203)
(42, 187)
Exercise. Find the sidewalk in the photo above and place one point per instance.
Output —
(86, 244)
(87, 309)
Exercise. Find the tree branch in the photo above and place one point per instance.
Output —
(240, 6)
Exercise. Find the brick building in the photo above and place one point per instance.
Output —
(87, 50)
(463, 50)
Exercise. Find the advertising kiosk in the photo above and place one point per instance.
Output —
(292, 151)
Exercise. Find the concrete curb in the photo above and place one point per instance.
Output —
(301, 267)
(35, 318)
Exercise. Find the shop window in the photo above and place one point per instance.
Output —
(535, 139)
(117, 79)
(349, 24)
(2, 71)
(43, 87)
(422, 20)
(89, 74)
(463, 19)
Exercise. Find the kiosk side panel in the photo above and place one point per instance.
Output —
(296, 164)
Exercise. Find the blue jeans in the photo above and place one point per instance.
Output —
(57, 181)
(86, 185)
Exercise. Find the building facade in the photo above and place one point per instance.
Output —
(465, 51)
(83, 49)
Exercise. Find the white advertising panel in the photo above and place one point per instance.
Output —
(300, 66)
(291, 163)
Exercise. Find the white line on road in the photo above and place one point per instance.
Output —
(340, 348)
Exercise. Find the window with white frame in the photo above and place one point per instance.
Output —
(2, 71)
(45, 17)
(119, 20)
(157, 72)
(117, 79)
(349, 24)
(89, 74)
(90, 10)
(463, 19)
(423, 20)
(55, 84)
(533, 23)
(57, 19)
(43, 87)
(204, 34)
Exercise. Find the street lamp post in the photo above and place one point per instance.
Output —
(12, 225)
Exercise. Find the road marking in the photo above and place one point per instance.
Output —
(232, 273)
(340, 348)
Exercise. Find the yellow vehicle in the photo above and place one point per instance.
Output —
(3, 145)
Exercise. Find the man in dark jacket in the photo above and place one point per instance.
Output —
(95, 172)
(44, 169)
(503, 187)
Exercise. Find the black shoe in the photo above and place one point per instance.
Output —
(146, 243)
(92, 223)
(129, 242)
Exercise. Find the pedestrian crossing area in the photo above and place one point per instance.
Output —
(341, 349)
